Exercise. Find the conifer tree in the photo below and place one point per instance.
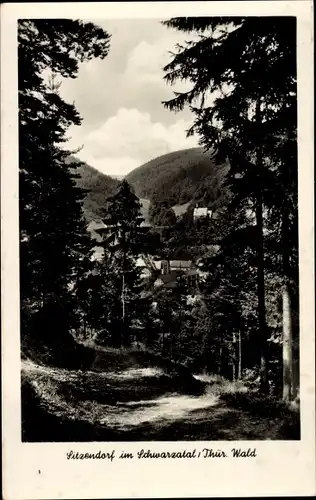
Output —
(52, 229)
(161, 214)
(243, 94)
(123, 243)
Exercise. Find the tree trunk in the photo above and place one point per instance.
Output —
(220, 360)
(234, 371)
(264, 384)
(234, 358)
(123, 333)
(261, 300)
(123, 297)
(288, 388)
(239, 354)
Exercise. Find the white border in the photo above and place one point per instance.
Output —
(281, 468)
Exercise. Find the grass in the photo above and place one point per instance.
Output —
(269, 408)
(67, 353)
(134, 395)
(220, 385)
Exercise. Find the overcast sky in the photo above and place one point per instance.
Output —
(119, 99)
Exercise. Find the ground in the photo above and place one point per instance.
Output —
(134, 395)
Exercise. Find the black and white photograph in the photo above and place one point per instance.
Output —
(159, 272)
(159, 248)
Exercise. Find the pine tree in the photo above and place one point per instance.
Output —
(123, 243)
(161, 214)
(243, 79)
(52, 228)
(171, 313)
(282, 229)
(229, 288)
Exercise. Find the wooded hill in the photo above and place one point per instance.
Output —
(244, 320)
(188, 175)
(98, 187)
(180, 177)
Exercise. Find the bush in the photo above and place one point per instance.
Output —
(257, 404)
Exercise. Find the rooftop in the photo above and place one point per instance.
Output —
(180, 264)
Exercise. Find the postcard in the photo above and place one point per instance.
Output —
(157, 249)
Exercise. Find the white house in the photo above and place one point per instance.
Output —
(98, 253)
(141, 264)
(93, 227)
(180, 265)
(201, 212)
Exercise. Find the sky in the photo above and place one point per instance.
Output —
(120, 99)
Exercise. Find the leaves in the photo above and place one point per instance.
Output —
(242, 78)
(120, 290)
(55, 247)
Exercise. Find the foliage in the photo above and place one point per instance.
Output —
(52, 229)
(161, 215)
(120, 286)
(243, 95)
(179, 177)
(210, 326)
(97, 186)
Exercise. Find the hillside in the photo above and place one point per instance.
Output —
(180, 177)
(136, 395)
(99, 186)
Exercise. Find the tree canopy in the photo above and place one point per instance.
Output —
(53, 233)
(242, 73)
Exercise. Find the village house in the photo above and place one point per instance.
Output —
(199, 212)
(169, 280)
(167, 266)
(174, 270)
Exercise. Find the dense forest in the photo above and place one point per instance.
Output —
(251, 64)
(52, 227)
(235, 314)
(180, 177)
(185, 176)
(97, 186)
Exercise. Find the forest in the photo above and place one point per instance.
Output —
(241, 325)
(180, 177)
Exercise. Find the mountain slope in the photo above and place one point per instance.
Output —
(180, 177)
(99, 187)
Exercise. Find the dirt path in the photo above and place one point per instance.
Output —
(134, 404)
